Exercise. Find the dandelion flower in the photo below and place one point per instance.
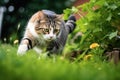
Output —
(87, 57)
(16, 41)
(94, 45)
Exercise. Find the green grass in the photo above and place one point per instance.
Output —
(31, 67)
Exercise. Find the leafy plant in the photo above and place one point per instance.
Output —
(100, 24)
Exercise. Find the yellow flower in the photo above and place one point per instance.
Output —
(94, 45)
(62, 58)
(16, 41)
(87, 57)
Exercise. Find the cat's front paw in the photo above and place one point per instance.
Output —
(22, 49)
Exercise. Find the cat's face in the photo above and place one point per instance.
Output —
(48, 27)
(50, 33)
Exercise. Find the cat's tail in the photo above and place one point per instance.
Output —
(71, 23)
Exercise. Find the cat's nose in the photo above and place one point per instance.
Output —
(51, 37)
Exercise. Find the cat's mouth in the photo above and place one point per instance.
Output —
(49, 40)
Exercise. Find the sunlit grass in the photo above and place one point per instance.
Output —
(31, 67)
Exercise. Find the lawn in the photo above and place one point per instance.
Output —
(31, 67)
(100, 30)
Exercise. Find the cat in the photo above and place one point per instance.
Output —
(46, 29)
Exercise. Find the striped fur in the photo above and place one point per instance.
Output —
(46, 29)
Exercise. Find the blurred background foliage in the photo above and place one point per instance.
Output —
(99, 23)
(17, 13)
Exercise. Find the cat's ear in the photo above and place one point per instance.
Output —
(59, 17)
(36, 17)
(44, 15)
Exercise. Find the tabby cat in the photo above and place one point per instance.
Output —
(46, 29)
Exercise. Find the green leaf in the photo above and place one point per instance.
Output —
(109, 17)
(67, 12)
(113, 34)
(97, 30)
(113, 6)
(74, 9)
(118, 13)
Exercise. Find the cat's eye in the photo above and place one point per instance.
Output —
(46, 30)
(56, 30)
